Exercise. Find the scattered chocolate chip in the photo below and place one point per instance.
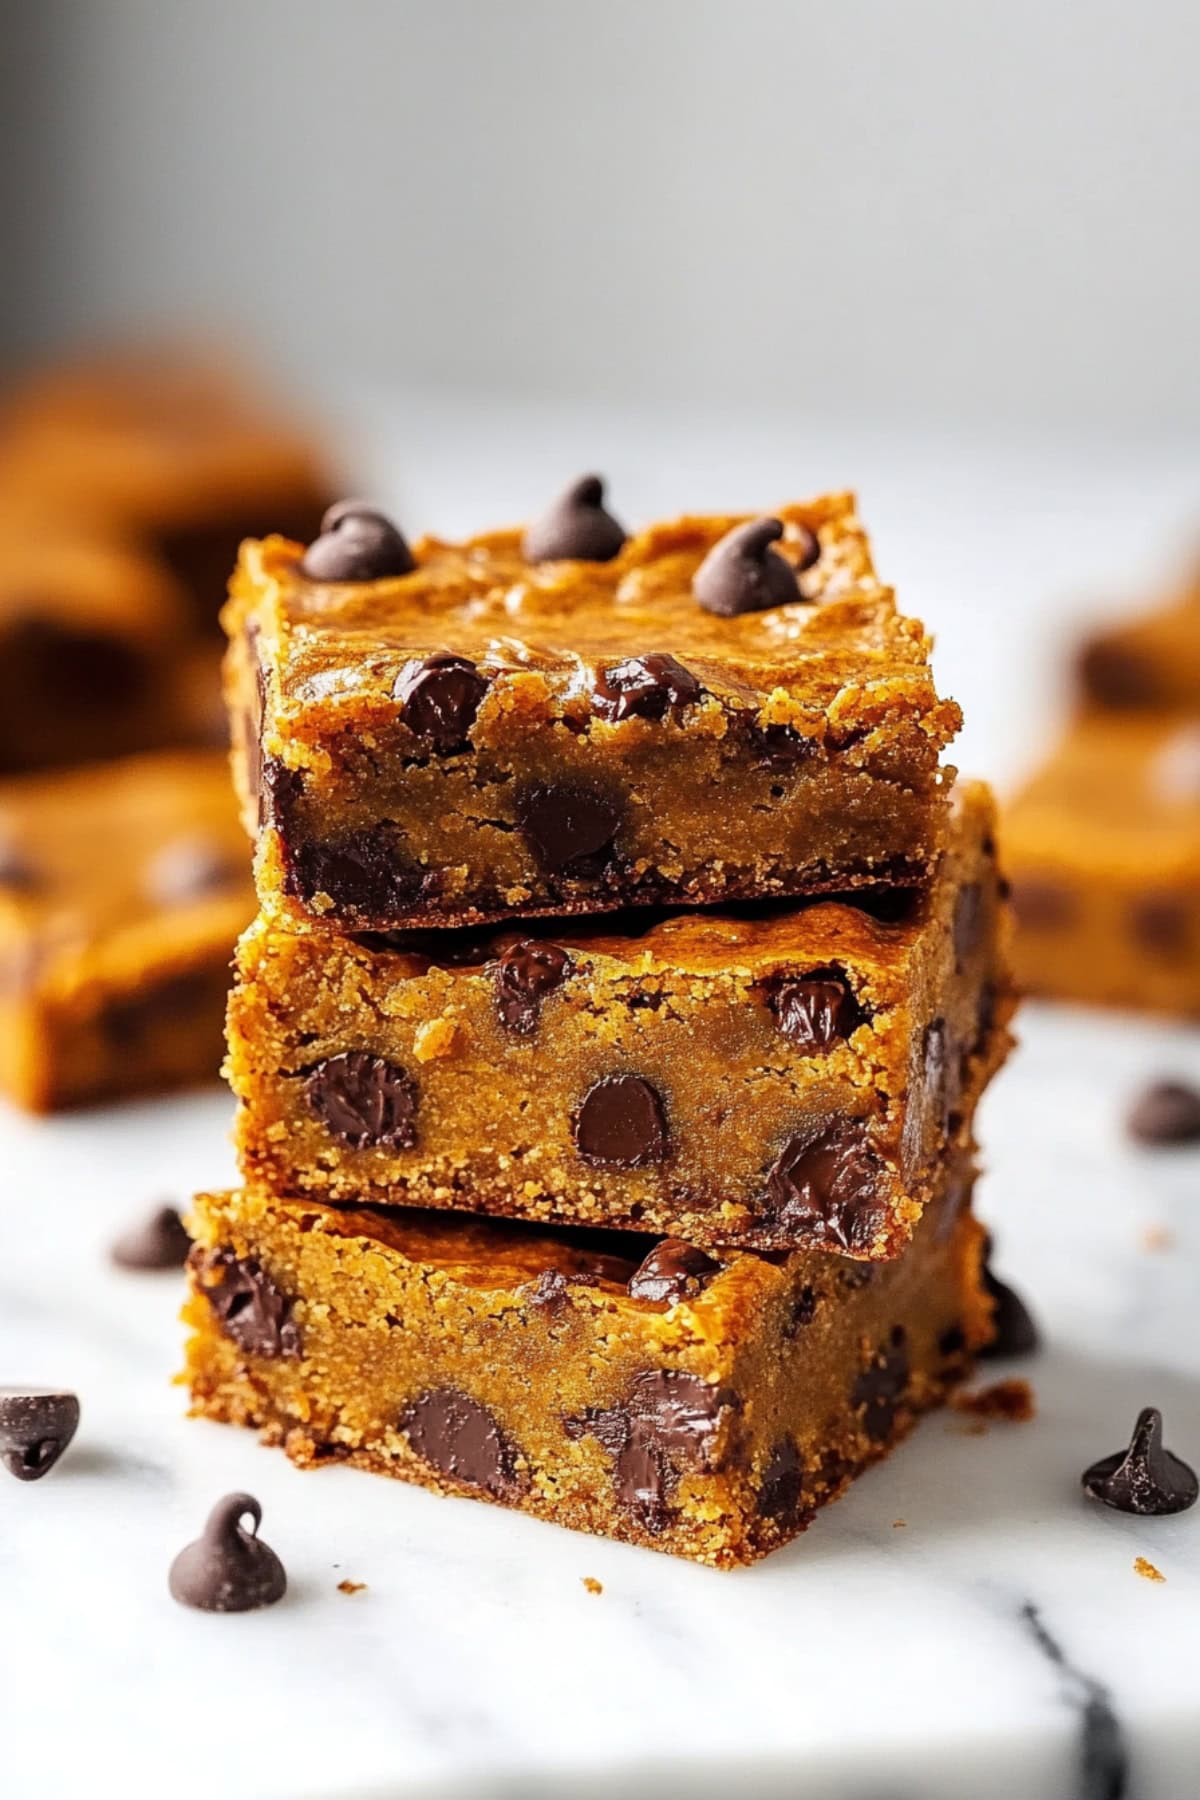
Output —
(1146, 1478)
(157, 1242)
(364, 1100)
(880, 1387)
(252, 1310)
(1041, 904)
(1168, 1112)
(576, 528)
(191, 869)
(229, 1569)
(1163, 923)
(743, 574)
(1013, 1329)
(816, 1011)
(36, 1425)
(367, 873)
(1116, 676)
(825, 1183)
(781, 1490)
(439, 696)
(644, 686)
(357, 543)
(672, 1271)
(968, 922)
(567, 825)
(666, 1426)
(458, 1436)
(620, 1124)
(526, 972)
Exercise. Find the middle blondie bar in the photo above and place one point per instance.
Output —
(775, 1078)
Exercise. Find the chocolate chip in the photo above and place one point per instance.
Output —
(781, 1490)
(644, 686)
(1116, 676)
(576, 528)
(251, 1309)
(952, 1343)
(357, 543)
(672, 1271)
(1013, 1330)
(743, 574)
(157, 1242)
(1146, 1478)
(1163, 923)
(816, 1011)
(968, 922)
(880, 1387)
(439, 696)
(192, 868)
(366, 874)
(280, 791)
(781, 747)
(229, 1569)
(550, 1290)
(1168, 1112)
(36, 1425)
(940, 1079)
(665, 1427)
(566, 824)
(460, 1437)
(1041, 904)
(364, 1100)
(824, 1184)
(526, 972)
(802, 1312)
(620, 1124)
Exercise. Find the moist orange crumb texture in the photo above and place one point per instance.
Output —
(799, 755)
(704, 1407)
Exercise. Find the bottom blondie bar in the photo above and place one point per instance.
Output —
(705, 1406)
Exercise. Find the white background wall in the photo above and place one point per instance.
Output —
(974, 210)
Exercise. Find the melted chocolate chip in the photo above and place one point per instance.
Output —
(229, 1569)
(158, 1242)
(568, 826)
(781, 747)
(880, 1387)
(1013, 1330)
(968, 922)
(1162, 923)
(459, 1437)
(366, 873)
(36, 1425)
(526, 972)
(664, 1428)
(1168, 1112)
(672, 1271)
(280, 792)
(364, 1100)
(743, 574)
(192, 868)
(816, 1011)
(576, 528)
(644, 686)
(824, 1183)
(781, 1490)
(439, 696)
(621, 1124)
(1144, 1479)
(252, 1310)
(356, 544)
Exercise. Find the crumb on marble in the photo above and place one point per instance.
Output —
(1011, 1400)
(1156, 1237)
(591, 1584)
(351, 1587)
(1147, 1570)
(898, 1524)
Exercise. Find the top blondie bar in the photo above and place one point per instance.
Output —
(569, 719)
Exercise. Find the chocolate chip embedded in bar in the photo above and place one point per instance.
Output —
(662, 1404)
(789, 1075)
(535, 723)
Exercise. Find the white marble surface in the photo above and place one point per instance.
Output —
(999, 1642)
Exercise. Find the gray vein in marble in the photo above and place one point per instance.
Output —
(1103, 1753)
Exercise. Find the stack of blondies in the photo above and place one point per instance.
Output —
(627, 973)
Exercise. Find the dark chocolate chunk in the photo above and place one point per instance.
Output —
(968, 922)
(364, 1100)
(280, 790)
(1146, 1478)
(229, 1569)
(825, 1183)
(526, 972)
(816, 1011)
(192, 868)
(1041, 904)
(1167, 1113)
(666, 1426)
(672, 1271)
(157, 1242)
(567, 826)
(1013, 1330)
(36, 1425)
(366, 873)
(781, 747)
(1116, 676)
(1163, 923)
(357, 543)
(458, 1436)
(439, 696)
(743, 574)
(621, 1124)
(252, 1310)
(576, 528)
(645, 686)
(781, 1490)
(880, 1387)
